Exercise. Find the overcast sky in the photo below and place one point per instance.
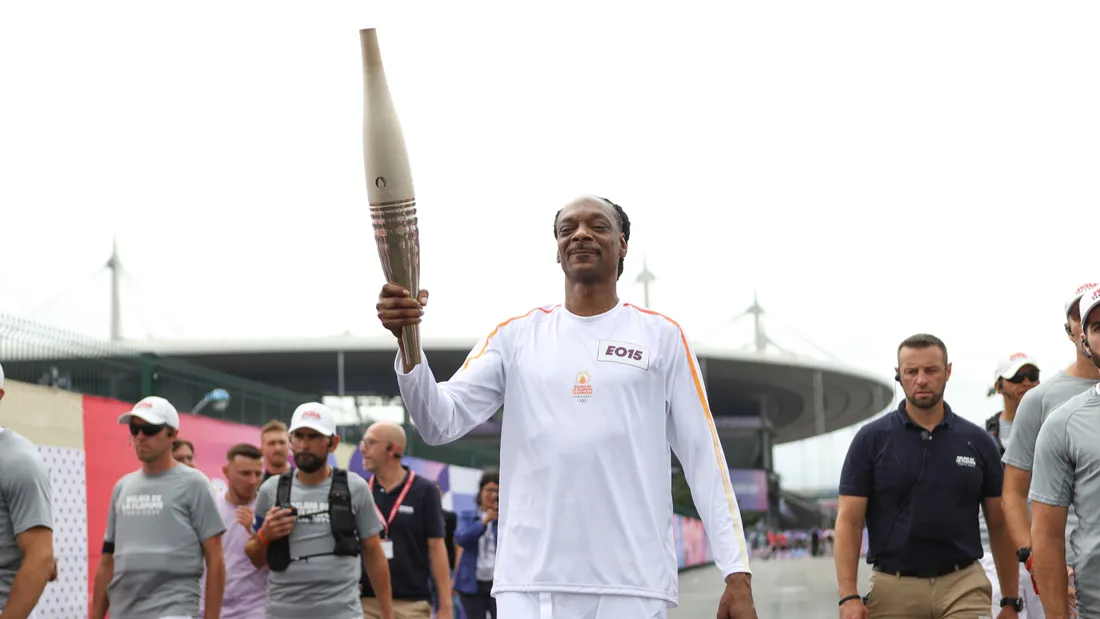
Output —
(873, 169)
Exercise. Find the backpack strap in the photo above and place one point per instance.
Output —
(282, 493)
(342, 515)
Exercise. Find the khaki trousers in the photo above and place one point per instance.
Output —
(963, 594)
(402, 609)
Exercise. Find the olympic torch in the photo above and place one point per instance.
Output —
(389, 185)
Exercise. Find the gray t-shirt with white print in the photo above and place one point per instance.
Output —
(158, 523)
(25, 502)
(325, 586)
(1036, 405)
(1067, 474)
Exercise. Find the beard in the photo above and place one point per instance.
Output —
(925, 402)
(308, 463)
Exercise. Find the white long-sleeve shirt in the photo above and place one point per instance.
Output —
(591, 407)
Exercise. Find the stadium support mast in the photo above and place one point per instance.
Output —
(114, 264)
(761, 341)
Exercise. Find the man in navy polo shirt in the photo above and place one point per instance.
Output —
(917, 476)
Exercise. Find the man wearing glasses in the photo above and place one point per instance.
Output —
(414, 529)
(161, 526)
(304, 541)
(1015, 375)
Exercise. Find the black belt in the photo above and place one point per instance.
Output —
(929, 572)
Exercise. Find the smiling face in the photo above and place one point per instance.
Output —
(924, 374)
(590, 241)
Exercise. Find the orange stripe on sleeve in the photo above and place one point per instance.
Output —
(498, 328)
(701, 392)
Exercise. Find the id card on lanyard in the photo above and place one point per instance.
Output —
(387, 542)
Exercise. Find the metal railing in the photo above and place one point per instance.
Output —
(44, 355)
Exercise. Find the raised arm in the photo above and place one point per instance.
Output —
(444, 412)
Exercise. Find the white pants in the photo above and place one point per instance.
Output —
(1033, 608)
(578, 606)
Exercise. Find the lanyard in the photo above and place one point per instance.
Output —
(400, 499)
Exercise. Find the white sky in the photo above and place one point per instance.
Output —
(874, 169)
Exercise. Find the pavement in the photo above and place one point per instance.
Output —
(783, 589)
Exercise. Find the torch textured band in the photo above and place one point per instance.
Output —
(398, 242)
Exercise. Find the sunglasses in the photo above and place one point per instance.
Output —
(147, 430)
(1029, 374)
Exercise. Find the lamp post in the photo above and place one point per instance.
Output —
(218, 399)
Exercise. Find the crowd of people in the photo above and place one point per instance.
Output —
(770, 543)
(917, 478)
(578, 525)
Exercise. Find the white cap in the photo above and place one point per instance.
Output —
(1011, 364)
(1077, 294)
(315, 416)
(155, 410)
(1, 377)
(1089, 301)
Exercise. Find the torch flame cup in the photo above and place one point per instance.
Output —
(389, 186)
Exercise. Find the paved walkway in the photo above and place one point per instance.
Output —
(783, 589)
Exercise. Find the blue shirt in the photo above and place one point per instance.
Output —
(918, 520)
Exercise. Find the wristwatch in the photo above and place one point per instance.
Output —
(1022, 554)
(1017, 604)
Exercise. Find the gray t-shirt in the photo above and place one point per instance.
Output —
(1067, 462)
(325, 586)
(1036, 405)
(158, 524)
(25, 501)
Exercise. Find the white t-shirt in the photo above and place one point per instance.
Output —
(592, 405)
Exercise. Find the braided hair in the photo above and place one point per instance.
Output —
(620, 218)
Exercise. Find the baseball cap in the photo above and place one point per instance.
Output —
(1089, 301)
(315, 416)
(1008, 366)
(155, 410)
(1077, 294)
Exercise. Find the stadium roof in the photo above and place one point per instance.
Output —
(737, 380)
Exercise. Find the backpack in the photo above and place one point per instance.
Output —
(341, 519)
(993, 426)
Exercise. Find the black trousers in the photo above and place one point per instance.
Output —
(477, 605)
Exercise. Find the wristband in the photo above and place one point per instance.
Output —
(849, 598)
(260, 536)
(1034, 585)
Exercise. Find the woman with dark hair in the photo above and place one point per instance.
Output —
(477, 536)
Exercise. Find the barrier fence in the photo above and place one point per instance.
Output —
(48, 356)
(86, 452)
